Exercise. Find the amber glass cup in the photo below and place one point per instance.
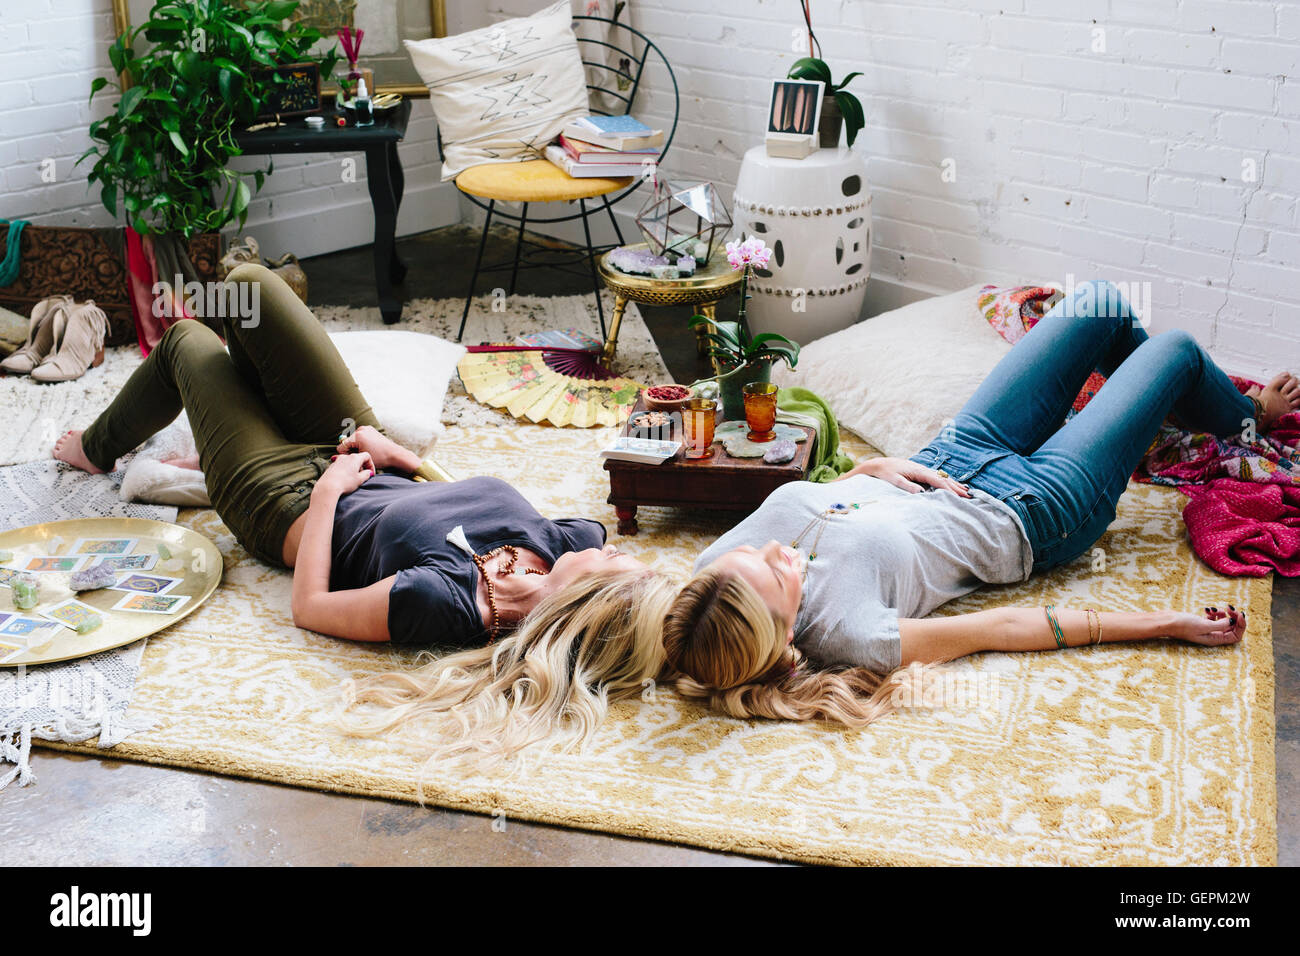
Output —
(699, 417)
(760, 410)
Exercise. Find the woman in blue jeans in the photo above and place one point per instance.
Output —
(807, 607)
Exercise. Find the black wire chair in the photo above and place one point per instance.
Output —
(629, 66)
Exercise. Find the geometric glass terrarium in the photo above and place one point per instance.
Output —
(679, 215)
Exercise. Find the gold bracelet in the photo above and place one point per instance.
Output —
(1093, 613)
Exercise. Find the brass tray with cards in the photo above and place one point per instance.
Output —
(166, 572)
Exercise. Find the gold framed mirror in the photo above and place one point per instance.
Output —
(386, 22)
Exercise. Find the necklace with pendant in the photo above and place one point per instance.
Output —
(819, 523)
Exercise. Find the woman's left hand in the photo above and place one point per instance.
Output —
(1212, 627)
(346, 474)
(908, 475)
(385, 452)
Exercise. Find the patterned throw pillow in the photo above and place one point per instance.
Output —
(503, 92)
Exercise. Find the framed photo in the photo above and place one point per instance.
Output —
(292, 90)
(386, 22)
(792, 117)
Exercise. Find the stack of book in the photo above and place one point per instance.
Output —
(610, 146)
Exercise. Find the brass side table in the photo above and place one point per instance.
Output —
(711, 282)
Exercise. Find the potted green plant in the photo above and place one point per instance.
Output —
(838, 104)
(741, 356)
(162, 153)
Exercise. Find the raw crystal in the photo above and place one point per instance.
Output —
(89, 623)
(164, 552)
(635, 261)
(780, 452)
(686, 265)
(26, 591)
(93, 578)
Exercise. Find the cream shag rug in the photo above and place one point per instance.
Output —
(1140, 754)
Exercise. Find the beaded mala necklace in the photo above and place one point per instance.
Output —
(481, 560)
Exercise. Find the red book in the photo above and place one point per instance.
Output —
(584, 152)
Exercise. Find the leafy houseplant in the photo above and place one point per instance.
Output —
(162, 152)
(836, 103)
(742, 356)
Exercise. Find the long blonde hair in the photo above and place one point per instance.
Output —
(730, 652)
(547, 685)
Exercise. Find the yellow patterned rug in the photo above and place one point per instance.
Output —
(1155, 753)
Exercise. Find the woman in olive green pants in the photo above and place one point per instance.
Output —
(267, 416)
(372, 559)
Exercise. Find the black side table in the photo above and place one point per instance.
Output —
(383, 175)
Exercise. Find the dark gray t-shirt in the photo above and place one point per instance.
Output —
(901, 554)
(395, 526)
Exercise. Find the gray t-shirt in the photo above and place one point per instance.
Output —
(903, 554)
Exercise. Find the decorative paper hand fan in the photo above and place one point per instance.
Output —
(563, 386)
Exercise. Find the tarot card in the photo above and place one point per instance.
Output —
(151, 603)
(145, 583)
(129, 562)
(104, 546)
(6, 574)
(11, 655)
(25, 627)
(4, 616)
(45, 563)
(71, 612)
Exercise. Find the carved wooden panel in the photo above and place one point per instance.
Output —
(87, 264)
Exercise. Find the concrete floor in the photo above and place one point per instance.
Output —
(93, 811)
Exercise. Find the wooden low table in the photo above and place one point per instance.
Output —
(717, 481)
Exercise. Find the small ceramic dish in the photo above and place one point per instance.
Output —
(666, 398)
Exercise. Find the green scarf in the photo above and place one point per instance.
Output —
(803, 407)
(9, 265)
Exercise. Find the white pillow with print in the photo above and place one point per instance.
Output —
(502, 93)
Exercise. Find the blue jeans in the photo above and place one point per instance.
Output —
(1065, 480)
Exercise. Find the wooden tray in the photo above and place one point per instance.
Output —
(200, 572)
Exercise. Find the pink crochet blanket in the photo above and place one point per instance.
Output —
(1243, 516)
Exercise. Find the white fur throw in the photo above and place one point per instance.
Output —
(403, 375)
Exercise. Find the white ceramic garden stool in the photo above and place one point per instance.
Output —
(815, 215)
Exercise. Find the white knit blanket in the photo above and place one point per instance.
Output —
(71, 701)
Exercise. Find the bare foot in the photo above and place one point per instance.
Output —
(191, 462)
(68, 449)
(1279, 397)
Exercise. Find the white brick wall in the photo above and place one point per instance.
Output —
(50, 50)
(1126, 164)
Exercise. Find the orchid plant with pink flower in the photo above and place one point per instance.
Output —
(733, 346)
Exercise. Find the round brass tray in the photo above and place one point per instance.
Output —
(200, 573)
(710, 283)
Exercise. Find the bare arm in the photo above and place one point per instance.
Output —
(933, 639)
(359, 614)
(383, 451)
(907, 475)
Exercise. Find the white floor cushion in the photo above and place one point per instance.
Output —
(896, 379)
(404, 376)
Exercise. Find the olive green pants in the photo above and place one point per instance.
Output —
(267, 409)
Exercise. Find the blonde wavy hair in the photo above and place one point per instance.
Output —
(729, 651)
(547, 686)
